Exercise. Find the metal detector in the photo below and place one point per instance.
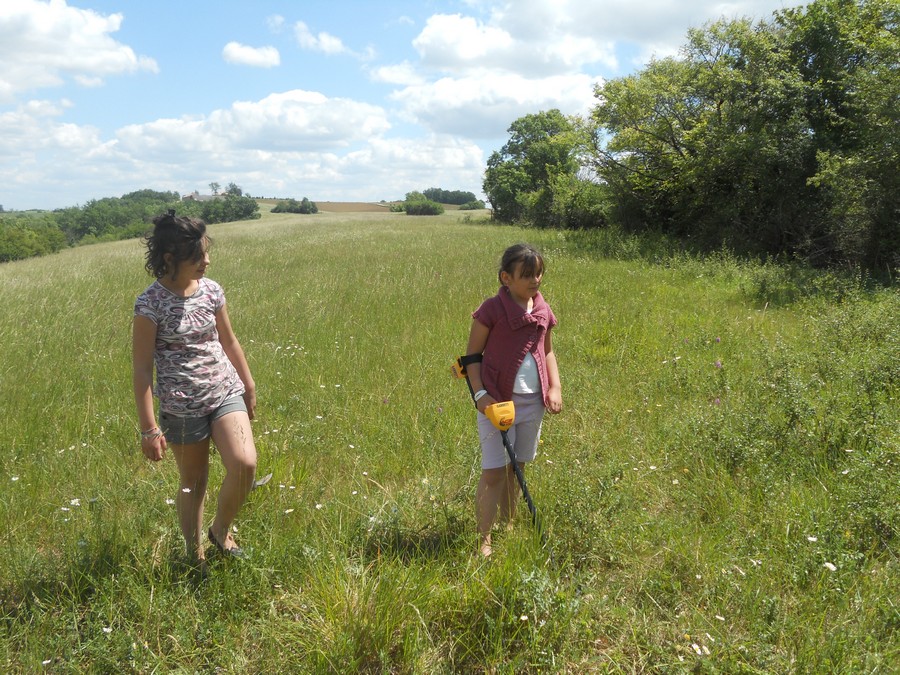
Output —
(502, 415)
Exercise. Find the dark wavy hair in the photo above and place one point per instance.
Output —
(185, 238)
(531, 259)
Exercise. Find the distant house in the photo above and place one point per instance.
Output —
(197, 197)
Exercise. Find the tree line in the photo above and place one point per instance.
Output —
(26, 234)
(775, 137)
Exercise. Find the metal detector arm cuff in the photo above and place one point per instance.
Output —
(469, 359)
(459, 369)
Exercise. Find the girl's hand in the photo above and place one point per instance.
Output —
(485, 401)
(554, 400)
(154, 449)
(250, 402)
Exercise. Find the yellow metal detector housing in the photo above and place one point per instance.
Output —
(502, 415)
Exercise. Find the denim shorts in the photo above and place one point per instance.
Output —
(186, 430)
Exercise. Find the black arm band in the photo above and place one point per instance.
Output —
(469, 359)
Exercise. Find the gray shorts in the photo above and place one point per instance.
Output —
(524, 435)
(186, 430)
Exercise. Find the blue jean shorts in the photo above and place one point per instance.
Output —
(186, 430)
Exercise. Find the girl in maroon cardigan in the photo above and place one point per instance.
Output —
(512, 333)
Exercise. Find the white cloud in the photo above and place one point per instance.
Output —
(321, 42)
(484, 104)
(42, 44)
(295, 121)
(259, 57)
(401, 73)
(275, 22)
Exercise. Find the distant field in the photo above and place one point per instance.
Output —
(347, 207)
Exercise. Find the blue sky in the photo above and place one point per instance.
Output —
(336, 101)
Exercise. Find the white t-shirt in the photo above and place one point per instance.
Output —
(528, 380)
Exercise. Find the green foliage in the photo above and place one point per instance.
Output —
(417, 204)
(775, 137)
(27, 236)
(474, 205)
(304, 206)
(229, 209)
(440, 196)
(523, 178)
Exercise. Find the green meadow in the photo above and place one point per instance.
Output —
(720, 491)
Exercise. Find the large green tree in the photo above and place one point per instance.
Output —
(520, 176)
(777, 136)
(848, 54)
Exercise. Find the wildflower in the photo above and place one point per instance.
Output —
(831, 567)
(186, 490)
(812, 539)
(524, 617)
(718, 339)
(170, 501)
(718, 363)
(697, 649)
(319, 507)
(107, 630)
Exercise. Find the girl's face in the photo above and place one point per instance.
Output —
(522, 287)
(190, 268)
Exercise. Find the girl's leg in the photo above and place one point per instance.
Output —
(234, 440)
(491, 493)
(510, 499)
(193, 471)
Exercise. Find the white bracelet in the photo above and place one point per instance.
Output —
(478, 394)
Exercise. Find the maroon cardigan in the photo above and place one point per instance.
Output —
(513, 334)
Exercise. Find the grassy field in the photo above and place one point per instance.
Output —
(721, 489)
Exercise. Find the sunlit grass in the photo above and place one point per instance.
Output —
(720, 490)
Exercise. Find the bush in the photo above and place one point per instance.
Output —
(474, 205)
(293, 206)
(424, 208)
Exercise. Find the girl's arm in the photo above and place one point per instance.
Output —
(478, 336)
(554, 395)
(143, 344)
(235, 354)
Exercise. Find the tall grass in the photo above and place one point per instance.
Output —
(721, 489)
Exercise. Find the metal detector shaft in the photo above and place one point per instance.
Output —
(520, 476)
